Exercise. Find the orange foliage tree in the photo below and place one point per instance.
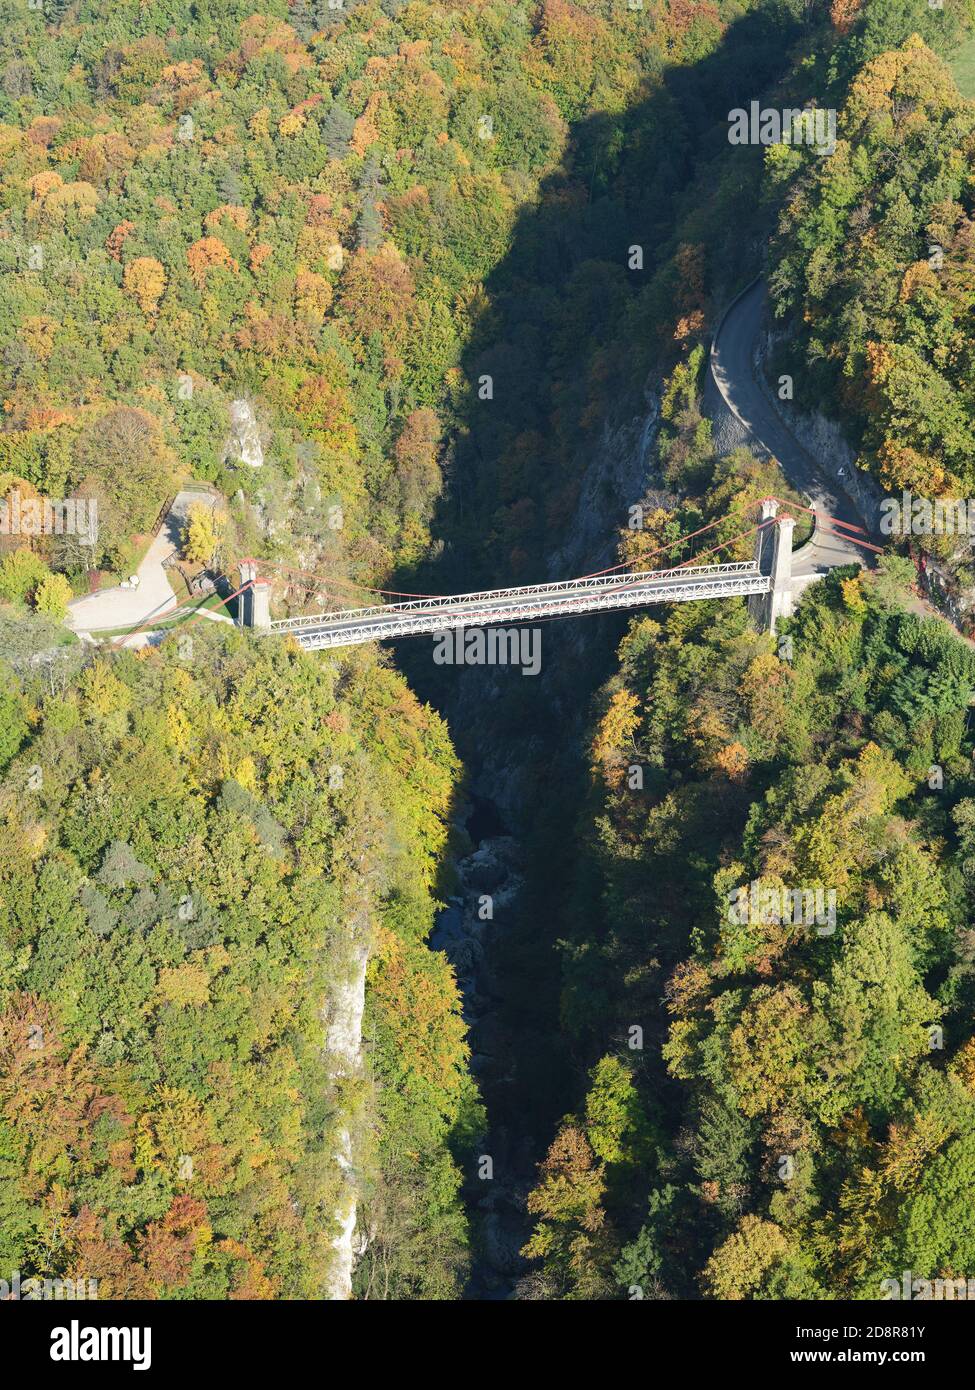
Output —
(204, 255)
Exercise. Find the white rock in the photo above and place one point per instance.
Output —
(245, 442)
(343, 1046)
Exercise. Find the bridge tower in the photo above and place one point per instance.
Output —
(773, 555)
(254, 608)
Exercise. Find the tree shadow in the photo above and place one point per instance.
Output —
(575, 330)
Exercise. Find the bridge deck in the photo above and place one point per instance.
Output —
(351, 626)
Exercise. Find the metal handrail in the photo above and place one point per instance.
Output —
(384, 624)
(565, 589)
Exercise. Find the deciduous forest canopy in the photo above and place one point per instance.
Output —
(439, 248)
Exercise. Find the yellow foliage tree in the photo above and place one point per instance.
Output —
(184, 985)
(904, 467)
(853, 595)
(145, 280)
(738, 1267)
(313, 295)
(53, 596)
(733, 761)
(203, 533)
(617, 725)
(66, 198)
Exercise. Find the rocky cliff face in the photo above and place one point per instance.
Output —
(615, 477)
(823, 440)
(244, 444)
(343, 1048)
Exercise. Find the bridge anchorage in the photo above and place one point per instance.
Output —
(765, 580)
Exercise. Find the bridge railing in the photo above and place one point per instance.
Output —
(560, 591)
(383, 625)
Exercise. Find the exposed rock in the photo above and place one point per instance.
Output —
(343, 1036)
(343, 1047)
(340, 1276)
(503, 1234)
(939, 584)
(617, 474)
(486, 868)
(244, 444)
(465, 956)
(824, 441)
(449, 929)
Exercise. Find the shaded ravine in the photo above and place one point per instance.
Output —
(526, 776)
(538, 492)
(505, 816)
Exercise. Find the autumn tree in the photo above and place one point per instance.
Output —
(203, 533)
(145, 280)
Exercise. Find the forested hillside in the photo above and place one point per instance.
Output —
(872, 266)
(306, 206)
(352, 217)
(301, 206)
(193, 848)
(782, 1109)
(439, 247)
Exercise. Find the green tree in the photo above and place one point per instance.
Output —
(53, 595)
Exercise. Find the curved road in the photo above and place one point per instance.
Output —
(154, 597)
(733, 372)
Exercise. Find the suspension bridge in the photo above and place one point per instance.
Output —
(771, 578)
(766, 579)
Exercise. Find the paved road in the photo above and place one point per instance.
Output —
(733, 371)
(154, 597)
